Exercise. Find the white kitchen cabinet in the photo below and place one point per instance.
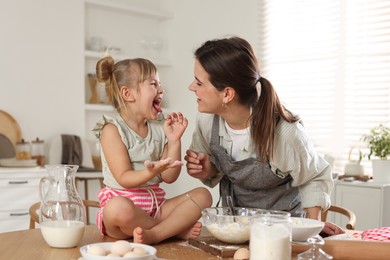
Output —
(19, 189)
(368, 200)
(123, 29)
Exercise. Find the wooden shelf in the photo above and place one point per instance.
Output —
(100, 21)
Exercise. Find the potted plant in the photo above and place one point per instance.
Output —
(378, 141)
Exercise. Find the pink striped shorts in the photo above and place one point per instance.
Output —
(148, 198)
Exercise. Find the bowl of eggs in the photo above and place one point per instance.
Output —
(119, 250)
(304, 228)
(229, 225)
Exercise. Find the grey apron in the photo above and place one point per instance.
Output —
(252, 183)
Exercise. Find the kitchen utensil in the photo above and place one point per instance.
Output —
(315, 253)
(214, 246)
(228, 227)
(9, 127)
(304, 228)
(92, 80)
(23, 150)
(270, 236)
(62, 212)
(55, 152)
(7, 149)
(12, 162)
(230, 204)
(38, 151)
(96, 43)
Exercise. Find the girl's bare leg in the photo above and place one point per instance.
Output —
(179, 217)
(121, 217)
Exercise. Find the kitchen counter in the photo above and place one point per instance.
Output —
(29, 244)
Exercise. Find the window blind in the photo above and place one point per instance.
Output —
(330, 63)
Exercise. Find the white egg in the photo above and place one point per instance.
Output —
(96, 250)
(140, 251)
(241, 254)
(120, 247)
(130, 254)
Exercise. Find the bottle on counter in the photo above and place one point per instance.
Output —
(38, 151)
(23, 150)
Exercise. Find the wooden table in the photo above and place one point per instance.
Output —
(29, 244)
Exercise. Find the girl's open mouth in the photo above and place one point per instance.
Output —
(157, 104)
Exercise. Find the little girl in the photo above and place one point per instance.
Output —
(138, 153)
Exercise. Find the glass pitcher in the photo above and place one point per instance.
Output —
(62, 212)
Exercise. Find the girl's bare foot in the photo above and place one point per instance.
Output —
(193, 232)
(143, 236)
(138, 235)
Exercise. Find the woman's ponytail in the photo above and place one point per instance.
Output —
(265, 116)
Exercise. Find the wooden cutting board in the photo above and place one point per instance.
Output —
(215, 247)
(10, 128)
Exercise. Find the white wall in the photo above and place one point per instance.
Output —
(41, 62)
(194, 23)
(41, 66)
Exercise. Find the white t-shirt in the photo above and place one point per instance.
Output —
(239, 138)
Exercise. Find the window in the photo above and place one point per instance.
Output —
(329, 62)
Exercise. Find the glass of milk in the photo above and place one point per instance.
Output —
(270, 236)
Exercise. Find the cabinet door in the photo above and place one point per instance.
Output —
(15, 219)
(365, 202)
(24, 191)
(18, 193)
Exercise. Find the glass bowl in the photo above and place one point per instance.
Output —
(229, 227)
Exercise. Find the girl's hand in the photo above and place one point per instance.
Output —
(157, 167)
(199, 165)
(174, 126)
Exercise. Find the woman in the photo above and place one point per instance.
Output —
(248, 142)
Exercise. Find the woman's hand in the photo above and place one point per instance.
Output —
(331, 229)
(174, 126)
(199, 165)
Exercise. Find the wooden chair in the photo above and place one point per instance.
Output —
(34, 217)
(344, 211)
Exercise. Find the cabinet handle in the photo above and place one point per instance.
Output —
(18, 214)
(17, 182)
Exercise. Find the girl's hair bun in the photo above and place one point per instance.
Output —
(104, 69)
